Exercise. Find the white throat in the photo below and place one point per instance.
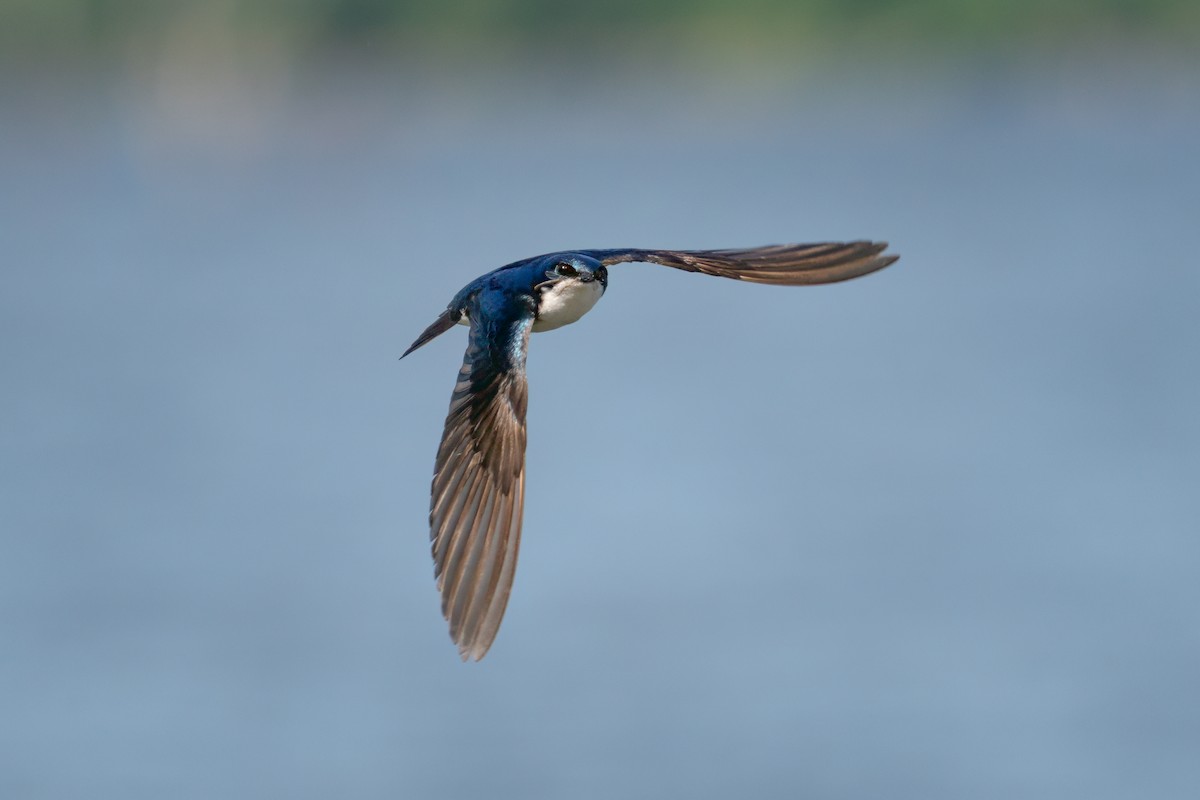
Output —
(565, 302)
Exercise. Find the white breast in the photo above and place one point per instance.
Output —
(565, 302)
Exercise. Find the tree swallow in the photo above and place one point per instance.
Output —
(479, 474)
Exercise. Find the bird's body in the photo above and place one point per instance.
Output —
(479, 476)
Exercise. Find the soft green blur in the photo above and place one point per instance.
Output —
(769, 30)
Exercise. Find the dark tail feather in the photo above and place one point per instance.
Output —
(445, 321)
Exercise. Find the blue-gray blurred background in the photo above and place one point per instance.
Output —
(929, 534)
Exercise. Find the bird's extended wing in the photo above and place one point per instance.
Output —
(479, 477)
(781, 264)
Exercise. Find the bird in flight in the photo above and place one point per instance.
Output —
(479, 475)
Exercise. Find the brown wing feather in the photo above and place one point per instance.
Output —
(783, 264)
(478, 495)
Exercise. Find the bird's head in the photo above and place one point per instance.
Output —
(571, 268)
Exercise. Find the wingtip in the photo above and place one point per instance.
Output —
(871, 247)
(881, 258)
(469, 653)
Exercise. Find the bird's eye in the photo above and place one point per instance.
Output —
(567, 271)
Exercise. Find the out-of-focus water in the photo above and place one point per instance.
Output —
(929, 534)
